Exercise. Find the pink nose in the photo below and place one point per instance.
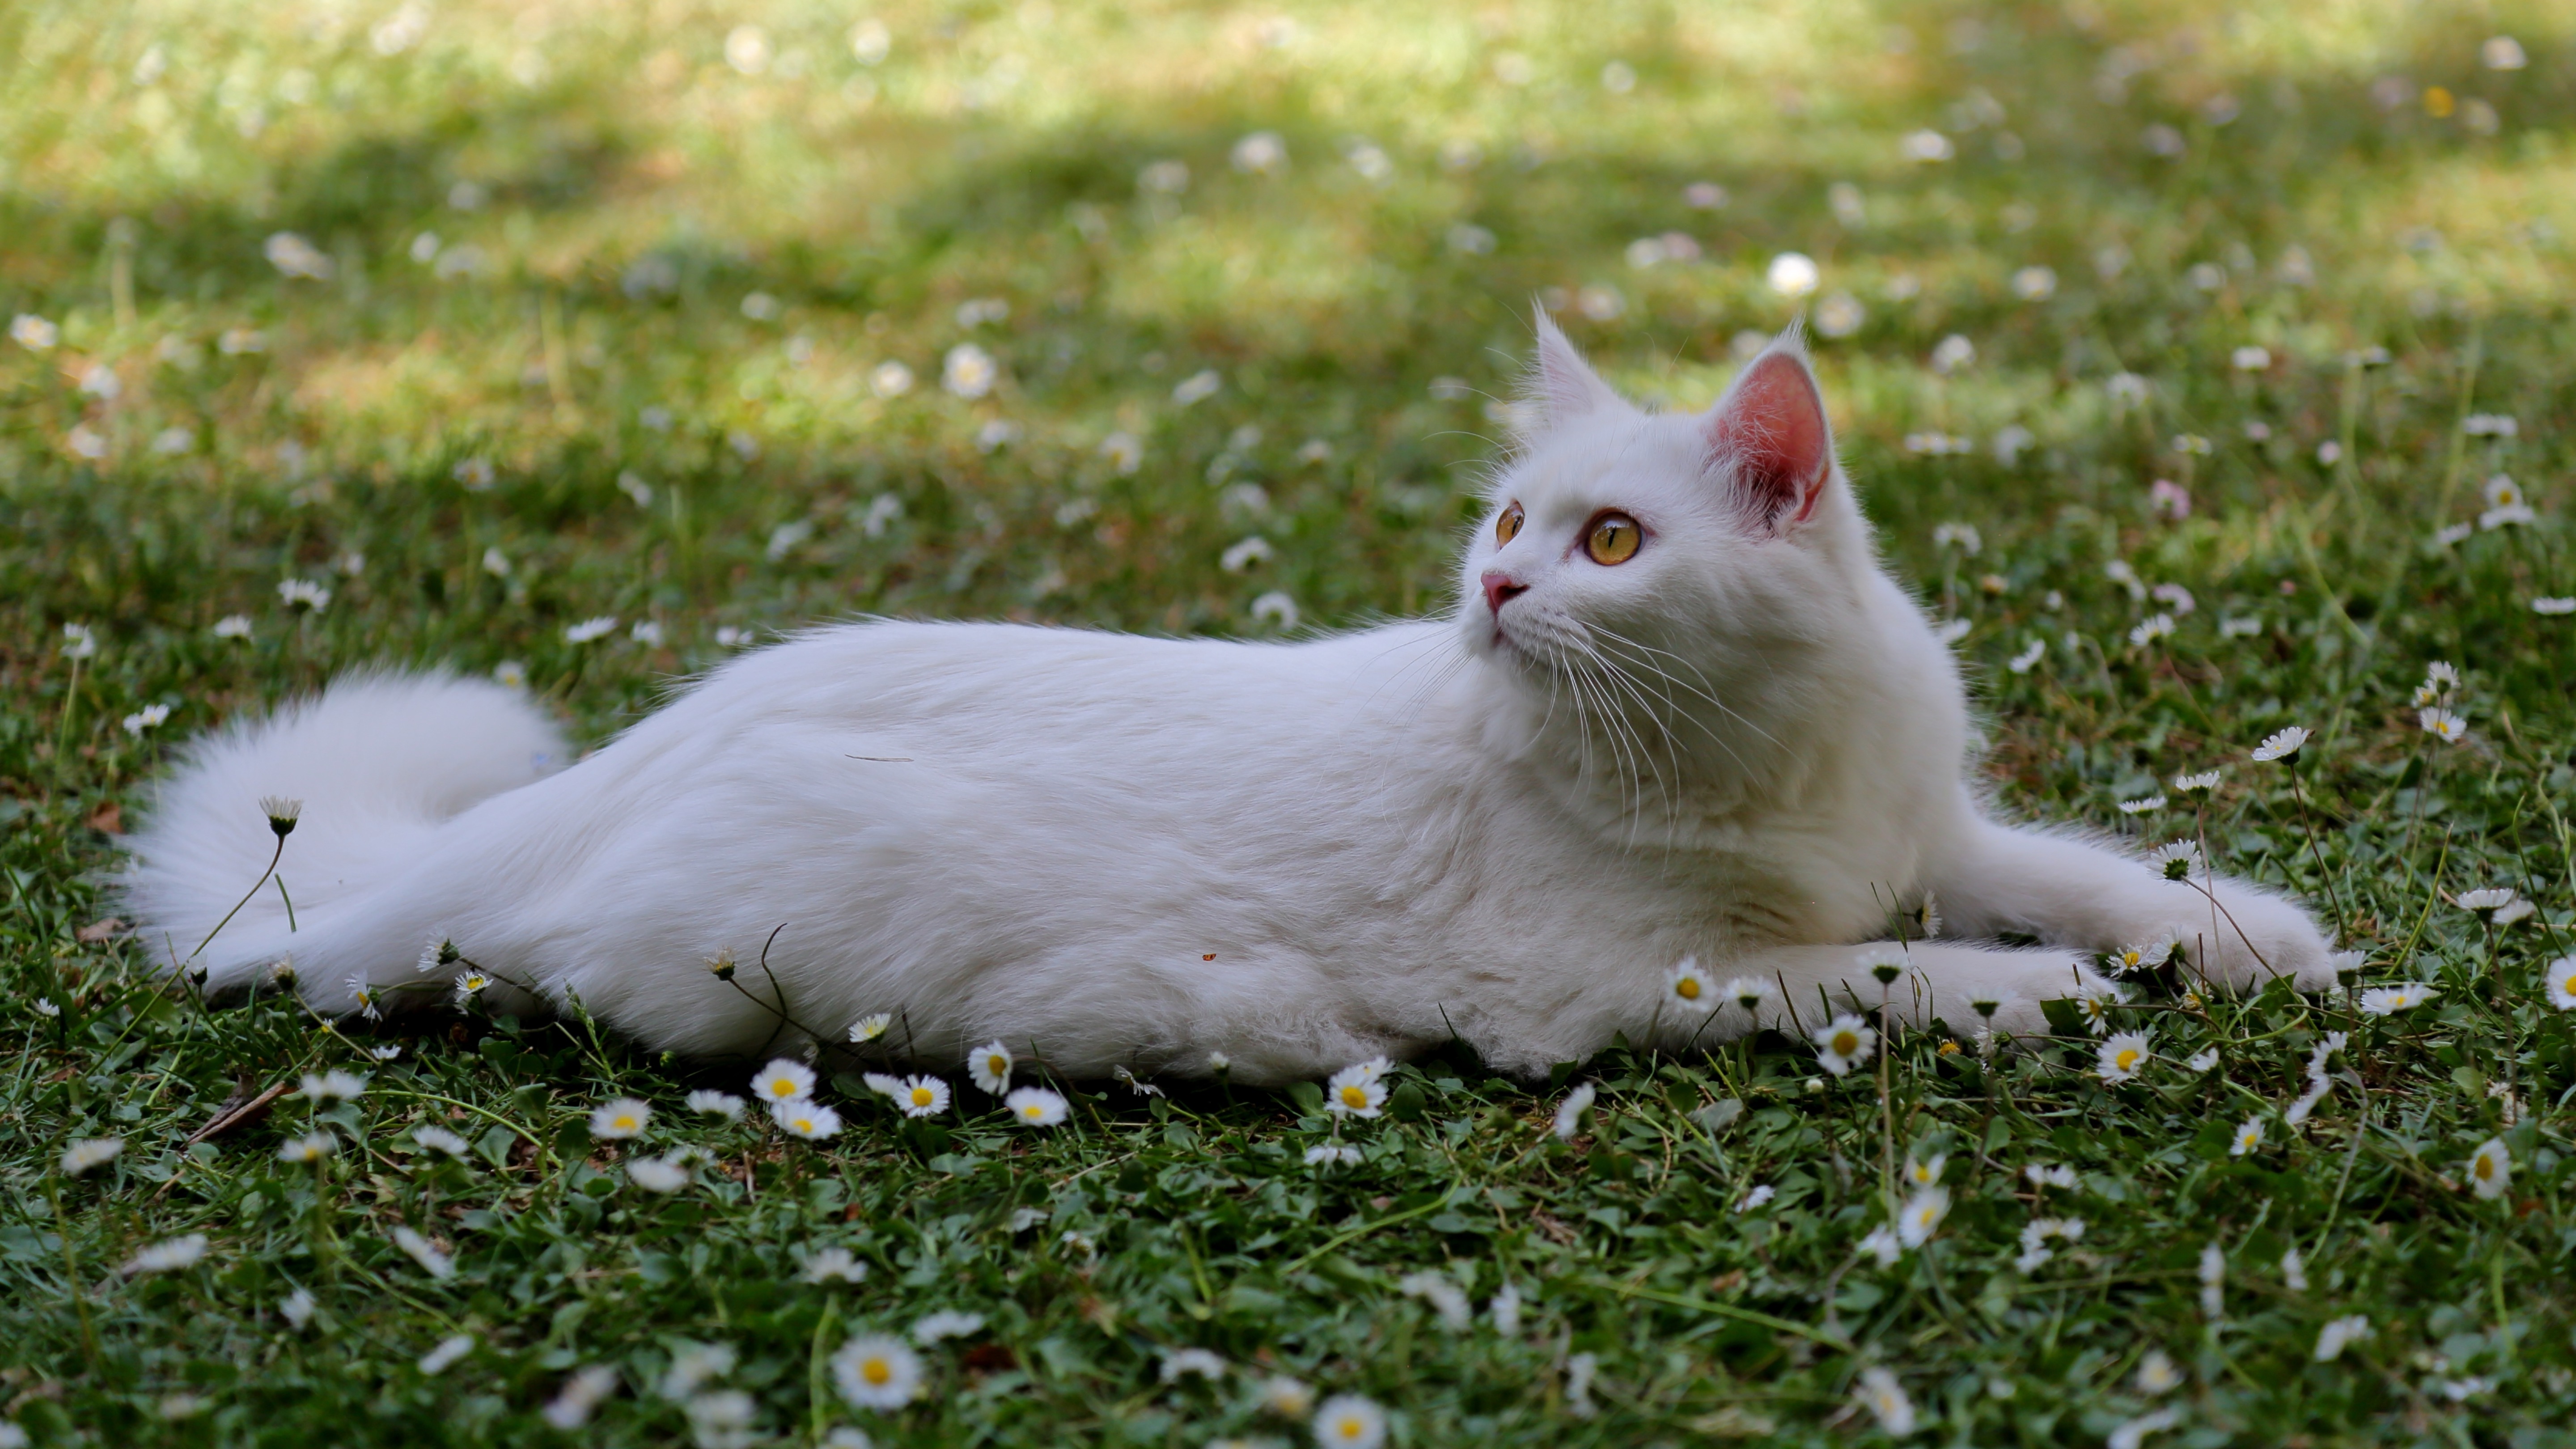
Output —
(1499, 590)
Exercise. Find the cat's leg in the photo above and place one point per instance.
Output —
(1811, 985)
(2070, 891)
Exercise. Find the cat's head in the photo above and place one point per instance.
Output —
(1692, 545)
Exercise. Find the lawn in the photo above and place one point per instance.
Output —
(2204, 366)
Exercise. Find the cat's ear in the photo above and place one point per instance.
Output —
(1561, 384)
(1769, 435)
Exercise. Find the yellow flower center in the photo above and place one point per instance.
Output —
(1033, 1111)
(2568, 986)
(624, 1124)
(2127, 1058)
(1845, 1043)
(1351, 1428)
(1354, 1096)
(997, 1065)
(876, 1371)
(1687, 988)
(782, 1087)
(921, 1096)
(2485, 1167)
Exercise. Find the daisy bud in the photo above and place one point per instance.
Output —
(282, 813)
(720, 965)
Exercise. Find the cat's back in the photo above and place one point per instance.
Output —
(1083, 698)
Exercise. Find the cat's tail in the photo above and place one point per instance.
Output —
(367, 771)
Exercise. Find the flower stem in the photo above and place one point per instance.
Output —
(2343, 918)
(273, 858)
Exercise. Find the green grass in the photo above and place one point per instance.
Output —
(607, 190)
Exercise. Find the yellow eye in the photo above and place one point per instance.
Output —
(1508, 527)
(1613, 539)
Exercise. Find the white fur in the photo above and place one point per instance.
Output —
(1743, 744)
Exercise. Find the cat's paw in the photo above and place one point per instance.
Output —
(2250, 938)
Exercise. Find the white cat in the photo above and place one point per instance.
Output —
(1678, 712)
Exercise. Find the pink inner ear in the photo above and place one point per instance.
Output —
(1772, 427)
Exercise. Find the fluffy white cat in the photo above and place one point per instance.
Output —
(1678, 712)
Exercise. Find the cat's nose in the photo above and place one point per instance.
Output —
(1500, 588)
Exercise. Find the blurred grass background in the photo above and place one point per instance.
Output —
(715, 320)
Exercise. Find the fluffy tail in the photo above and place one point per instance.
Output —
(378, 762)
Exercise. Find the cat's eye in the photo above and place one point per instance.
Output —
(1613, 539)
(1508, 527)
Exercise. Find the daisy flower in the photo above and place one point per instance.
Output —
(309, 1148)
(2175, 860)
(2283, 744)
(1332, 1154)
(2153, 628)
(2157, 1373)
(812, 1120)
(1692, 988)
(431, 1258)
(1925, 1171)
(435, 1138)
(923, 1097)
(2249, 1136)
(1354, 1092)
(2490, 1168)
(2142, 804)
(297, 1308)
(333, 1086)
(167, 1257)
(946, 1323)
(2294, 1272)
(884, 1084)
(2339, 1334)
(2059, 1176)
(470, 985)
(1035, 1107)
(2388, 1000)
(2201, 1061)
(1183, 1362)
(90, 1155)
(2187, 784)
(869, 1028)
(2123, 1057)
(1757, 1197)
(1750, 992)
(1844, 1043)
(877, 1371)
(1506, 1308)
(1881, 1244)
(1883, 963)
(2140, 958)
(438, 1360)
(657, 1174)
(2132, 1433)
(716, 1104)
(581, 1393)
(1569, 1113)
(2562, 983)
(1347, 1421)
(833, 1265)
(1884, 1397)
(2213, 1281)
(2094, 1004)
(989, 1067)
(624, 1117)
(1288, 1398)
(783, 1081)
(1922, 1216)
(1443, 1294)
(2443, 725)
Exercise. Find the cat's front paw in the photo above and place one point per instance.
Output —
(2248, 939)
